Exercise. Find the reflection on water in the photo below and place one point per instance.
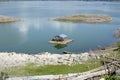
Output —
(60, 46)
(16, 33)
(67, 27)
(10, 35)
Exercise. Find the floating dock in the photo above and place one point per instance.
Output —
(61, 42)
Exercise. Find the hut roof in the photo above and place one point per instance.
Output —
(63, 35)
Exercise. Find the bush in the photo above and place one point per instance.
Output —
(112, 77)
(118, 44)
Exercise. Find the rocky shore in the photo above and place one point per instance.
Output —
(15, 59)
(85, 18)
(6, 19)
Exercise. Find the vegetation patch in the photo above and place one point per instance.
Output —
(33, 69)
(112, 77)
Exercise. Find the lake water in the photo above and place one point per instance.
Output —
(36, 28)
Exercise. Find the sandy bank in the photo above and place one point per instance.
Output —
(61, 42)
(15, 59)
(85, 18)
(6, 19)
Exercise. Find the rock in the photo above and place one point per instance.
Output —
(15, 59)
(93, 56)
(118, 72)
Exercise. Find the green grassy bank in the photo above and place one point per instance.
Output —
(33, 69)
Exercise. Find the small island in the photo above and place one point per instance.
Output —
(6, 19)
(60, 39)
(85, 18)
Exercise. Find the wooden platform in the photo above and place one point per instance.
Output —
(61, 42)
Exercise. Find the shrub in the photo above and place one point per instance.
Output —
(112, 77)
(118, 44)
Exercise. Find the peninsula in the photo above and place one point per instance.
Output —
(85, 18)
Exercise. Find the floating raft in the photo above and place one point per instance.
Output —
(61, 42)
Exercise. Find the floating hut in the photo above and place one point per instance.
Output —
(60, 39)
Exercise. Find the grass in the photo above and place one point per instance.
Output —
(33, 69)
(115, 54)
(112, 77)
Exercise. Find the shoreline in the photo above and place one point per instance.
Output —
(16, 59)
(12, 59)
(9, 60)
